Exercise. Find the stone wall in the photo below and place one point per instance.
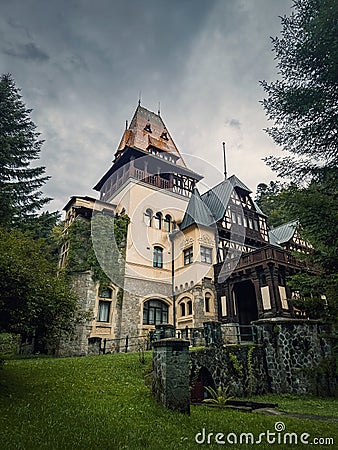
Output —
(171, 374)
(240, 368)
(289, 356)
(135, 292)
(297, 353)
(77, 343)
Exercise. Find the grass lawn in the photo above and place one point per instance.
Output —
(102, 402)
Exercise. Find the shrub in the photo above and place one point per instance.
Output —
(8, 345)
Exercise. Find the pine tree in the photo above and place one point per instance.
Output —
(20, 183)
(303, 101)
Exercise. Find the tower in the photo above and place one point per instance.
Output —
(150, 182)
(186, 258)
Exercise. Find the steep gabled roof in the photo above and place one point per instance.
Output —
(283, 233)
(197, 212)
(258, 209)
(147, 130)
(217, 199)
(236, 182)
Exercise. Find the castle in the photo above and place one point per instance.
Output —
(187, 258)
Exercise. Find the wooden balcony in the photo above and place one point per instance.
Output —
(263, 257)
(268, 254)
(176, 185)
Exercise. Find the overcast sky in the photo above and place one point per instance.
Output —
(81, 65)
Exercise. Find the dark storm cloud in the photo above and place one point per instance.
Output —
(27, 51)
(81, 65)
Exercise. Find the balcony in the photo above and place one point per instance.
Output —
(177, 184)
(259, 257)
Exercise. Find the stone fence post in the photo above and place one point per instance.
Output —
(171, 374)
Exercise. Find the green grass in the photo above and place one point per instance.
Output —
(327, 407)
(102, 402)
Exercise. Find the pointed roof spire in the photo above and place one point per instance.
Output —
(225, 160)
(148, 132)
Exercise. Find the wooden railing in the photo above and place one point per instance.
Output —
(141, 175)
(265, 254)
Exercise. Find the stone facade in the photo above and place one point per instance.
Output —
(77, 343)
(136, 292)
(294, 349)
(171, 374)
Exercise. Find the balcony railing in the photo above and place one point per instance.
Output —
(256, 257)
(141, 175)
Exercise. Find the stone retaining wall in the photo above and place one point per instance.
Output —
(295, 352)
(241, 368)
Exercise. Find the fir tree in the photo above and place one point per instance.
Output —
(303, 105)
(303, 101)
(20, 183)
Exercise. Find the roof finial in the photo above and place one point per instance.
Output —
(139, 98)
(159, 108)
(225, 161)
(126, 124)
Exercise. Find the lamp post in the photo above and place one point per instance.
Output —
(172, 237)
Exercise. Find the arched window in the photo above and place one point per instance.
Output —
(182, 306)
(155, 312)
(167, 223)
(105, 293)
(147, 217)
(158, 257)
(189, 306)
(207, 303)
(158, 220)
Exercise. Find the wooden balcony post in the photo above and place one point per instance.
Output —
(132, 166)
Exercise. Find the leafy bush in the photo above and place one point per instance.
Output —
(8, 345)
(219, 396)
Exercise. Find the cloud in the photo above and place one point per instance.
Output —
(234, 123)
(27, 51)
(81, 65)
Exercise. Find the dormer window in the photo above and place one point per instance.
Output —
(148, 128)
(164, 135)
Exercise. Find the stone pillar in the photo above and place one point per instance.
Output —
(199, 316)
(171, 374)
